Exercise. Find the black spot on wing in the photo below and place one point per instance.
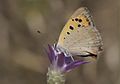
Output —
(71, 27)
(80, 20)
(87, 20)
(79, 25)
(68, 33)
(76, 19)
(89, 23)
(83, 25)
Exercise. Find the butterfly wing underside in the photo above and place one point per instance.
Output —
(79, 36)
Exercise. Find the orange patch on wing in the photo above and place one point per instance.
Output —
(84, 21)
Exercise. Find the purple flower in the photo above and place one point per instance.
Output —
(60, 62)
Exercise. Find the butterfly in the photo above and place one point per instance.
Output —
(80, 36)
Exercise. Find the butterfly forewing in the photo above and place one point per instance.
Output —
(79, 35)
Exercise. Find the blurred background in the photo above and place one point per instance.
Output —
(28, 26)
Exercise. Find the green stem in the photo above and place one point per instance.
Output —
(55, 77)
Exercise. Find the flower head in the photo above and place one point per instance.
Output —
(61, 62)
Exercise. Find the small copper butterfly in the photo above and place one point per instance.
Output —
(80, 36)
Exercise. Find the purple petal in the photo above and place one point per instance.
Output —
(74, 65)
(51, 53)
(68, 60)
(49, 56)
(61, 59)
